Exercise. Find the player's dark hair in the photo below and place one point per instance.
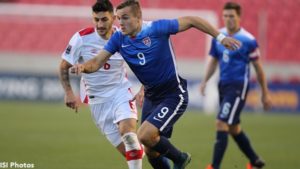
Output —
(135, 6)
(103, 6)
(234, 6)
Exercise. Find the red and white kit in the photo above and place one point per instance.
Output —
(107, 91)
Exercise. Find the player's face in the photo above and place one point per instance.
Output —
(103, 22)
(231, 20)
(129, 23)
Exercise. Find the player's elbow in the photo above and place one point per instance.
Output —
(64, 66)
(186, 22)
(193, 20)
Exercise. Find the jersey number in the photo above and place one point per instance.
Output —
(142, 58)
(106, 66)
(225, 110)
(163, 112)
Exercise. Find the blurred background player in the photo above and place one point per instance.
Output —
(107, 90)
(234, 85)
(147, 49)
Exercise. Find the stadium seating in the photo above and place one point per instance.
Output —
(279, 39)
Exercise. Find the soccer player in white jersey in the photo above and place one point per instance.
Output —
(234, 85)
(147, 49)
(107, 89)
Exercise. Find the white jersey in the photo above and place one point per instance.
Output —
(100, 86)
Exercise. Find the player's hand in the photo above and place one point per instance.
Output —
(139, 97)
(231, 43)
(267, 103)
(77, 69)
(202, 88)
(70, 101)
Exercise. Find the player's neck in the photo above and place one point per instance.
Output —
(233, 31)
(107, 35)
(134, 33)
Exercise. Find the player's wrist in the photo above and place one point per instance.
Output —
(83, 69)
(69, 92)
(220, 37)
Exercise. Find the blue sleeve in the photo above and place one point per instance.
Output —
(165, 26)
(113, 45)
(253, 45)
(254, 53)
(213, 50)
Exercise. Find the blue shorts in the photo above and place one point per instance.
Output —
(166, 107)
(232, 100)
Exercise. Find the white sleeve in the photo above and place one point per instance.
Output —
(72, 52)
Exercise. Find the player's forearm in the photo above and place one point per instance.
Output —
(64, 76)
(92, 65)
(263, 82)
(96, 63)
(211, 68)
(261, 78)
(198, 23)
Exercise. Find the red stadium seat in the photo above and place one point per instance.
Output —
(282, 29)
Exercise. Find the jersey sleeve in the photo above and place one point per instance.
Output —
(213, 50)
(165, 26)
(112, 46)
(254, 50)
(72, 52)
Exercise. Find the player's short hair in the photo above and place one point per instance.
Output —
(233, 5)
(135, 6)
(103, 6)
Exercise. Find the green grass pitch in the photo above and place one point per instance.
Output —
(53, 137)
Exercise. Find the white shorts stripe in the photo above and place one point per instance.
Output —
(245, 84)
(233, 111)
(174, 61)
(174, 113)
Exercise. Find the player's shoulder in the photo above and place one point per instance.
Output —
(245, 33)
(146, 25)
(156, 27)
(160, 22)
(116, 32)
(86, 31)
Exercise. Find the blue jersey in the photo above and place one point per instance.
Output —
(149, 55)
(234, 65)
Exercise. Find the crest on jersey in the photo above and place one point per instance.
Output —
(68, 50)
(147, 41)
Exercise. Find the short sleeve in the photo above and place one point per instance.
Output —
(165, 26)
(254, 50)
(72, 52)
(113, 45)
(213, 50)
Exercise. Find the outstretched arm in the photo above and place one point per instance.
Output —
(265, 98)
(210, 70)
(70, 99)
(92, 65)
(188, 22)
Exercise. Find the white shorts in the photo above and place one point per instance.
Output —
(107, 115)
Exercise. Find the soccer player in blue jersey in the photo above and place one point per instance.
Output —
(233, 86)
(147, 49)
